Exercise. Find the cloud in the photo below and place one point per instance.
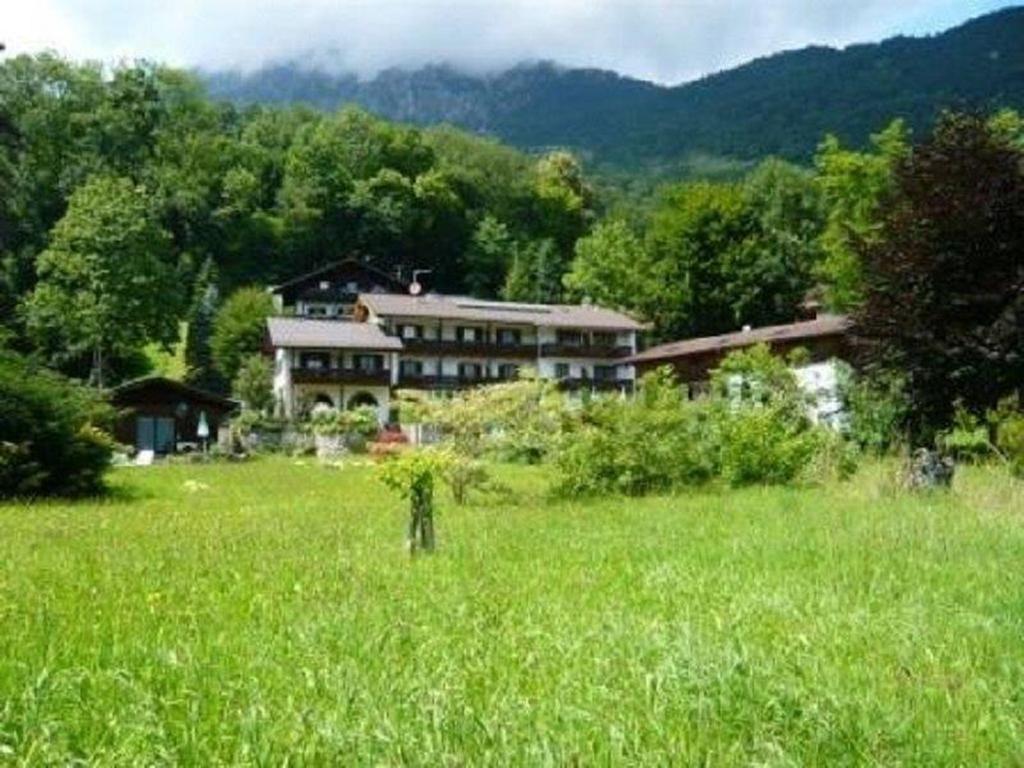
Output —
(663, 40)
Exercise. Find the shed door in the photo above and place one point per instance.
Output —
(154, 433)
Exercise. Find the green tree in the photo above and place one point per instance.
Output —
(491, 253)
(200, 369)
(854, 186)
(536, 274)
(105, 286)
(240, 329)
(252, 384)
(613, 269)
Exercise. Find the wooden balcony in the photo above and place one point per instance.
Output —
(596, 351)
(578, 384)
(381, 378)
(452, 348)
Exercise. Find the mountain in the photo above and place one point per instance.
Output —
(781, 104)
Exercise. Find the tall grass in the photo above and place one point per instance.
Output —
(274, 614)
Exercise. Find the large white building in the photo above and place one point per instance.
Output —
(438, 343)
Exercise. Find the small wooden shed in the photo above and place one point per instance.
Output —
(162, 415)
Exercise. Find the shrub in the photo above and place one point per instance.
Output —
(967, 439)
(753, 427)
(1008, 421)
(634, 447)
(51, 436)
(875, 408)
(253, 383)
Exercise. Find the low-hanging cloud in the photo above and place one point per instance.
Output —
(663, 40)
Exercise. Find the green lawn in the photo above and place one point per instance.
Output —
(276, 614)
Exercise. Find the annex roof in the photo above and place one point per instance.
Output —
(332, 334)
(508, 312)
(148, 384)
(824, 325)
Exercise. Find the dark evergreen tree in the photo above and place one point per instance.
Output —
(201, 371)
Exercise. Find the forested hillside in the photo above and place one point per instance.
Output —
(134, 205)
(779, 105)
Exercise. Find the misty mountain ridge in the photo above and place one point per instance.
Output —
(780, 104)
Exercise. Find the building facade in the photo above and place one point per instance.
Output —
(441, 343)
(823, 338)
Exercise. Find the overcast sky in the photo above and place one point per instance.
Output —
(664, 40)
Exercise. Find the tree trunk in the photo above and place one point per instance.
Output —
(421, 520)
(96, 375)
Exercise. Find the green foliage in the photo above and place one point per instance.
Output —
(1010, 440)
(855, 186)
(875, 408)
(239, 329)
(753, 428)
(253, 384)
(200, 369)
(611, 268)
(105, 286)
(967, 438)
(361, 422)
(51, 438)
(519, 420)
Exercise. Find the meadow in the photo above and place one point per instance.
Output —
(267, 612)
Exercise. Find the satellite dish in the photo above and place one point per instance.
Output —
(415, 288)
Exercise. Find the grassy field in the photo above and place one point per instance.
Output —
(253, 613)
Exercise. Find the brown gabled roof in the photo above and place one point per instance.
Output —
(183, 389)
(822, 326)
(507, 312)
(386, 278)
(299, 333)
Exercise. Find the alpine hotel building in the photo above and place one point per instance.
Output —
(348, 335)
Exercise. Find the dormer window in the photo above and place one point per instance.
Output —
(325, 285)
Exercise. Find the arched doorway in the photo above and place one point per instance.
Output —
(362, 398)
(323, 401)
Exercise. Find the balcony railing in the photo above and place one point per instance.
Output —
(434, 381)
(469, 348)
(381, 377)
(600, 351)
(577, 384)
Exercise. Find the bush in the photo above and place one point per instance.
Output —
(1008, 421)
(634, 447)
(753, 427)
(876, 410)
(52, 440)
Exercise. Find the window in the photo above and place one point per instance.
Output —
(352, 286)
(509, 337)
(316, 310)
(605, 373)
(411, 368)
(315, 361)
(508, 371)
(410, 331)
(570, 338)
(470, 371)
(561, 370)
(368, 363)
(324, 285)
(603, 339)
(467, 334)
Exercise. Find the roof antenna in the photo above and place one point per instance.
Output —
(415, 288)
